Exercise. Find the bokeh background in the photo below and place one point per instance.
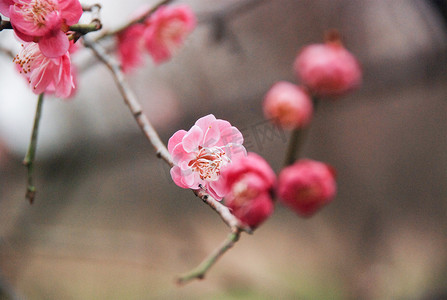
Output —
(108, 223)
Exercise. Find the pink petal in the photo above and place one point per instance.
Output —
(71, 11)
(4, 7)
(54, 45)
(192, 139)
(176, 139)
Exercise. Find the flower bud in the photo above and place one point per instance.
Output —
(306, 186)
(328, 69)
(249, 182)
(288, 105)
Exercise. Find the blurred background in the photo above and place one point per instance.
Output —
(108, 223)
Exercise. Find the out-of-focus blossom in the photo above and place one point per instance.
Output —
(49, 75)
(130, 46)
(288, 105)
(200, 153)
(306, 186)
(166, 30)
(249, 184)
(43, 21)
(328, 69)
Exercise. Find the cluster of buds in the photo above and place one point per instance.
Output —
(205, 156)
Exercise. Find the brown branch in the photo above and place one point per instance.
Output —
(223, 211)
(131, 101)
(5, 25)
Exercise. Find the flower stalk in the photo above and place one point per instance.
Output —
(31, 153)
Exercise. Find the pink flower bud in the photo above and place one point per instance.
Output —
(249, 182)
(288, 105)
(328, 69)
(306, 186)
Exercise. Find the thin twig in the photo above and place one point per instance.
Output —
(200, 271)
(131, 101)
(223, 211)
(31, 153)
(94, 25)
(134, 21)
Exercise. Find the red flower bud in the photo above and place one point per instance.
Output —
(328, 69)
(306, 186)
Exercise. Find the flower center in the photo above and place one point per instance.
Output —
(37, 10)
(208, 162)
(26, 57)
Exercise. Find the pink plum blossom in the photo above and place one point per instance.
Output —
(249, 183)
(328, 69)
(166, 30)
(49, 75)
(130, 45)
(43, 21)
(306, 186)
(200, 153)
(288, 105)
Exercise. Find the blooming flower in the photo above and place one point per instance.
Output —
(328, 69)
(166, 30)
(249, 183)
(50, 75)
(306, 186)
(130, 47)
(43, 21)
(288, 105)
(200, 153)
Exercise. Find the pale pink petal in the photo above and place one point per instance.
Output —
(219, 188)
(176, 139)
(211, 136)
(188, 179)
(65, 84)
(231, 135)
(179, 154)
(41, 78)
(192, 139)
(205, 121)
(54, 45)
(213, 193)
(176, 175)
